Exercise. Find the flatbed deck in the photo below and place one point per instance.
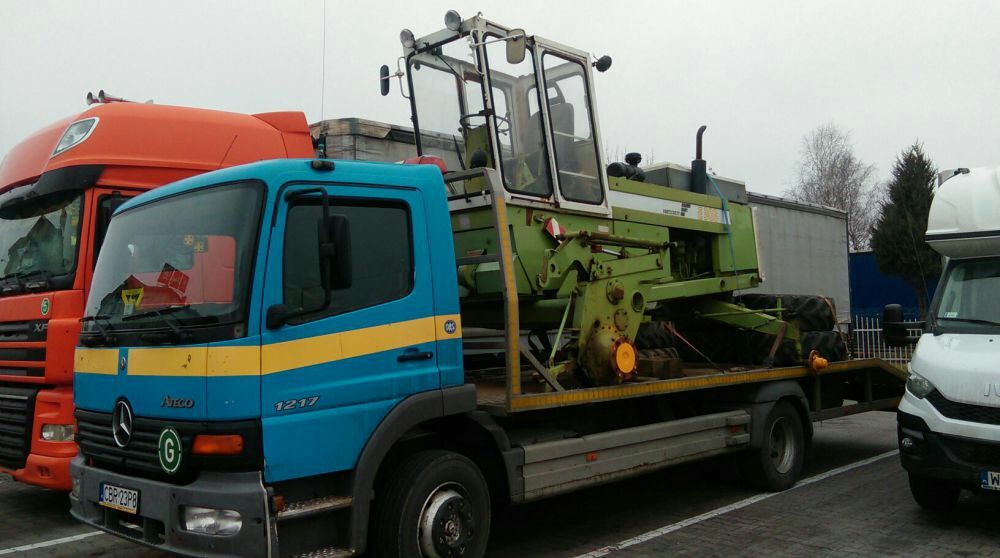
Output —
(493, 396)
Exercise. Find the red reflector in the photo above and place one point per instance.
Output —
(591, 457)
(279, 502)
(211, 444)
(427, 160)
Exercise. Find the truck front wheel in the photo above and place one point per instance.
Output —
(436, 505)
(777, 464)
(934, 495)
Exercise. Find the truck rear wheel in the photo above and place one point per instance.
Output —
(934, 495)
(777, 464)
(436, 505)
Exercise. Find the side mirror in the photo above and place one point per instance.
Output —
(894, 329)
(384, 79)
(603, 63)
(516, 46)
(277, 315)
(334, 252)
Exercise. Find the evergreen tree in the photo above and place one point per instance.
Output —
(898, 234)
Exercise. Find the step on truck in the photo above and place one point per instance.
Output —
(396, 350)
(949, 418)
(58, 189)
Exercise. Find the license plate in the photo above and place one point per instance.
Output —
(990, 480)
(118, 498)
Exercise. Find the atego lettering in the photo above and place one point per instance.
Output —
(177, 403)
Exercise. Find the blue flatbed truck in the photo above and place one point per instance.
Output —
(217, 418)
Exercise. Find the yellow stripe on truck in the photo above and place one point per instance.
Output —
(168, 361)
(252, 360)
(279, 357)
(96, 361)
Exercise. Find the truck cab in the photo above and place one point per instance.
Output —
(58, 189)
(949, 418)
(296, 323)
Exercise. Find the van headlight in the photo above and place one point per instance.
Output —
(919, 386)
(211, 521)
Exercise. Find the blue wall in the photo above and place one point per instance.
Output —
(871, 289)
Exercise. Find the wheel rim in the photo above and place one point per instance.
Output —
(782, 445)
(446, 526)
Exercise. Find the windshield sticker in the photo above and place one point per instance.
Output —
(951, 314)
(132, 299)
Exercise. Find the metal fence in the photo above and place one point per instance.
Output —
(866, 342)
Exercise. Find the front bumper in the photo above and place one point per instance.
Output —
(158, 522)
(945, 457)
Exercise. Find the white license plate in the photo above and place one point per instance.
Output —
(990, 480)
(118, 498)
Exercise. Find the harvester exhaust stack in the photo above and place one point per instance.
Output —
(699, 168)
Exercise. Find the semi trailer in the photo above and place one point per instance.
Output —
(383, 354)
(949, 418)
(58, 189)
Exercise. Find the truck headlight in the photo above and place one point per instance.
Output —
(57, 432)
(211, 521)
(919, 386)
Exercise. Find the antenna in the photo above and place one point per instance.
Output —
(322, 89)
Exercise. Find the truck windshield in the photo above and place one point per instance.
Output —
(970, 297)
(41, 239)
(179, 262)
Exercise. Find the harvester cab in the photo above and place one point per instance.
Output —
(475, 89)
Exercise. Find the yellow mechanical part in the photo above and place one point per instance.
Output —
(816, 362)
(624, 358)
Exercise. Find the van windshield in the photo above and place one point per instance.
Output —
(970, 297)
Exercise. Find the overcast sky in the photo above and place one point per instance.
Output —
(759, 74)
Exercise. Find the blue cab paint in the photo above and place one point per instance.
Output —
(352, 394)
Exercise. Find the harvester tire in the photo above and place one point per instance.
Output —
(777, 464)
(829, 344)
(810, 312)
(436, 503)
(653, 335)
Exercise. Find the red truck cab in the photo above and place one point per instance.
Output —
(58, 189)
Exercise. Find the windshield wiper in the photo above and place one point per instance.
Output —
(20, 278)
(970, 320)
(106, 336)
(170, 321)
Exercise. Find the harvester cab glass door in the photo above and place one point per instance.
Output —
(448, 104)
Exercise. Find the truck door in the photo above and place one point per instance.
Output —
(330, 376)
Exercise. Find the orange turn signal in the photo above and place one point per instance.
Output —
(212, 444)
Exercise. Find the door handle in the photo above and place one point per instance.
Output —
(412, 354)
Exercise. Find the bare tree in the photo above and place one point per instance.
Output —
(830, 174)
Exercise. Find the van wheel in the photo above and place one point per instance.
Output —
(777, 465)
(436, 505)
(934, 495)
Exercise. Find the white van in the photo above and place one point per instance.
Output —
(949, 418)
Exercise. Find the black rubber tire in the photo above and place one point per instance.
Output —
(809, 312)
(776, 466)
(652, 335)
(396, 518)
(934, 495)
(829, 344)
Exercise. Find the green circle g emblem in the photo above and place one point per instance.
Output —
(170, 450)
(46, 306)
